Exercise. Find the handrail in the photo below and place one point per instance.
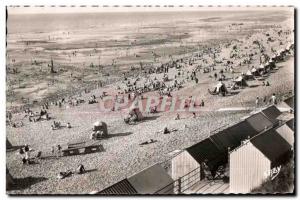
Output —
(180, 180)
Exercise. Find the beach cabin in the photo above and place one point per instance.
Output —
(182, 164)
(287, 131)
(213, 151)
(252, 162)
(187, 164)
(232, 137)
(152, 180)
(272, 113)
(121, 187)
(259, 122)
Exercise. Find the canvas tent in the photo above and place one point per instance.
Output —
(137, 113)
(135, 110)
(270, 65)
(240, 81)
(220, 88)
(248, 75)
(261, 68)
(254, 72)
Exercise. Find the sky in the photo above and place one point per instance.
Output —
(90, 9)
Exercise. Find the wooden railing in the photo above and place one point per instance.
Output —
(181, 184)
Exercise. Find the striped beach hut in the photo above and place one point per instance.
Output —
(213, 151)
(252, 162)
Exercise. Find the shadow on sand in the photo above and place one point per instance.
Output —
(150, 118)
(232, 93)
(118, 135)
(254, 86)
(89, 170)
(23, 183)
(14, 148)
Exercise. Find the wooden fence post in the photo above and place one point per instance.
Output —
(179, 185)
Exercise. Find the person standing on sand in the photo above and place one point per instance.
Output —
(58, 151)
(26, 150)
(265, 99)
(257, 102)
(216, 76)
(194, 115)
(273, 99)
(52, 150)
